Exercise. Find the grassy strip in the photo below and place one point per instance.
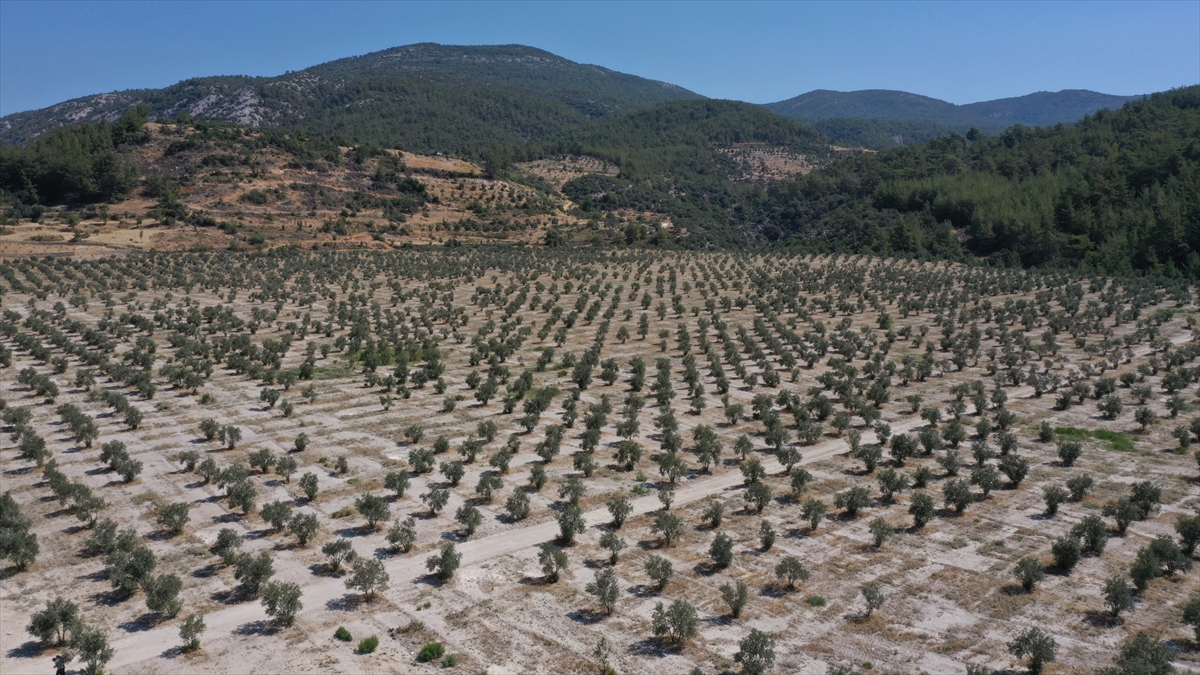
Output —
(1114, 439)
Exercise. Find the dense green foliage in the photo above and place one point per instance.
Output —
(873, 134)
(74, 163)
(670, 163)
(1116, 193)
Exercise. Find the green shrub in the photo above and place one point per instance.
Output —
(342, 634)
(450, 661)
(815, 601)
(431, 651)
(368, 645)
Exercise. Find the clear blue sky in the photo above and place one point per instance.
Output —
(759, 52)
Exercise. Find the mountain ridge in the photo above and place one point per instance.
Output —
(508, 93)
(513, 94)
(1041, 108)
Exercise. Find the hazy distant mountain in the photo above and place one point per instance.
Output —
(424, 97)
(1045, 108)
(879, 118)
(880, 104)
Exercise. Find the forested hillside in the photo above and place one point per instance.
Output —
(1116, 193)
(1048, 107)
(670, 163)
(880, 104)
(872, 134)
(423, 98)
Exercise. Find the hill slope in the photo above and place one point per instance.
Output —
(1045, 108)
(880, 104)
(1116, 193)
(425, 97)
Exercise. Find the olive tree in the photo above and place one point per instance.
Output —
(660, 570)
(735, 596)
(368, 577)
(1033, 643)
(678, 622)
(254, 571)
(281, 599)
(304, 527)
(190, 631)
(445, 562)
(338, 551)
(402, 535)
(1029, 572)
(756, 652)
(56, 622)
(372, 508)
(173, 517)
(791, 570)
(606, 589)
(668, 525)
(873, 596)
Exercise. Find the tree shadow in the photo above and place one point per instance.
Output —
(643, 591)
(725, 619)
(1012, 590)
(775, 590)
(651, 647)
(260, 627)
(205, 572)
(386, 553)
(109, 598)
(229, 596)
(324, 569)
(346, 603)
(30, 649)
(430, 579)
(856, 617)
(1102, 619)
(536, 581)
(797, 532)
(141, 624)
(588, 617)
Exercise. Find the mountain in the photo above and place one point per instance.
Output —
(1045, 108)
(423, 97)
(880, 119)
(880, 104)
